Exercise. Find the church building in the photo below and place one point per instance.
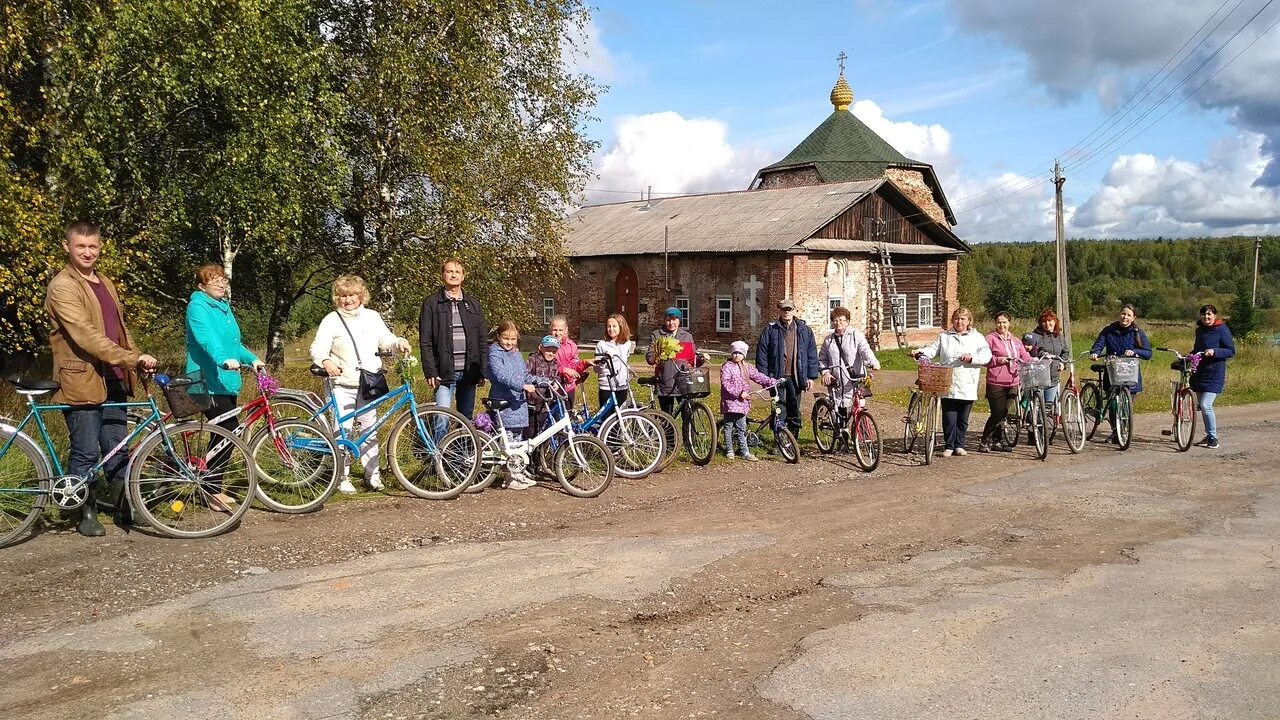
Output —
(843, 220)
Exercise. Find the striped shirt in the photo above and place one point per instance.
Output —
(459, 336)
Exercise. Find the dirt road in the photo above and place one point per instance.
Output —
(1107, 584)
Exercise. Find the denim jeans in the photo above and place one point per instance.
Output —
(94, 430)
(465, 393)
(735, 425)
(1206, 409)
(955, 422)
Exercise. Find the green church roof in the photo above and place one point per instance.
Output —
(843, 148)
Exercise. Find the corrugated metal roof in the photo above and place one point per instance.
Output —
(743, 221)
(863, 246)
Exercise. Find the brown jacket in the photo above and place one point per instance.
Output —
(82, 353)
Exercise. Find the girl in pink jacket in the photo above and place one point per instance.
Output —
(735, 397)
(1002, 381)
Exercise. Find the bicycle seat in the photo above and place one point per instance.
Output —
(1098, 367)
(318, 371)
(492, 404)
(650, 381)
(29, 386)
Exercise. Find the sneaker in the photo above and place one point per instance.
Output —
(1001, 447)
(1113, 439)
(749, 457)
(346, 488)
(729, 456)
(947, 452)
(520, 484)
(984, 448)
(1212, 443)
(960, 451)
(1204, 440)
(376, 485)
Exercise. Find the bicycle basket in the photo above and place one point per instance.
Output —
(934, 379)
(1123, 372)
(187, 396)
(1034, 375)
(693, 382)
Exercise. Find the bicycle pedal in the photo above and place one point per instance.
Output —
(1166, 433)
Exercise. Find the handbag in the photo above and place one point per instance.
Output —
(373, 383)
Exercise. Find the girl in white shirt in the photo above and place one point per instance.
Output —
(615, 377)
(354, 331)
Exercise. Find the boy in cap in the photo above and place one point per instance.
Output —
(542, 363)
(735, 397)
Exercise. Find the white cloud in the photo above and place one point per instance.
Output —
(927, 143)
(673, 154)
(1006, 208)
(583, 51)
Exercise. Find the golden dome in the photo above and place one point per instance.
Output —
(841, 94)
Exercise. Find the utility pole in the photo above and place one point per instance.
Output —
(1064, 305)
(1257, 250)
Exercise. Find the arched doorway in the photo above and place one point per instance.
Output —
(626, 296)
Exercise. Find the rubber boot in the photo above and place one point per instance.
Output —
(122, 517)
(89, 525)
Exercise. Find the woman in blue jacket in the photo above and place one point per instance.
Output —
(1213, 339)
(1122, 338)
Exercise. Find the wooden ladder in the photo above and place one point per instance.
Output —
(886, 263)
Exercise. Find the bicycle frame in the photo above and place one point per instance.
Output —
(401, 397)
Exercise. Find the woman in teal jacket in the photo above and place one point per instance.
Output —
(214, 350)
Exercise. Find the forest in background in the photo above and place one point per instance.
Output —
(1166, 279)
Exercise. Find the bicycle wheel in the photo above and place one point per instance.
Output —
(1124, 417)
(671, 437)
(930, 435)
(491, 460)
(913, 422)
(419, 459)
(1012, 425)
(24, 485)
(298, 466)
(1184, 419)
(824, 429)
(288, 408)
(636, 441)
(584, 466)
(1073, 421)
(1093, 407)
(1039, 426)
(787, 447)
(867, 444)
(699, 433)
(191, 480)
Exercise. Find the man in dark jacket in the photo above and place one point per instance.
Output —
(451, 335)
(787, 352)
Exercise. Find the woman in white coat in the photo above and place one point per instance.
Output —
(965, 350)
(348, 341)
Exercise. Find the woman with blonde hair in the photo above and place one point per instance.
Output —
(348, 341)
(965, 350)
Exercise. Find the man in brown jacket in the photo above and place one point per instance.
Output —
(92, 359)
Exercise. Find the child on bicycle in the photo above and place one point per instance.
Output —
(511, 382)
(542, 363)
(735, 397)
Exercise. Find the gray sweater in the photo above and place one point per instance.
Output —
(1043, 345)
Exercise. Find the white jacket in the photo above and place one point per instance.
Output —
(947, 349)
(845, 356)
(620, 354)
(333, 343)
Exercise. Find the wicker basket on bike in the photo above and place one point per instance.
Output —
(933, 378)
(186, 396)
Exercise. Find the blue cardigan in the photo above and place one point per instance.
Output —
(213, 337)
(1115, 339)
(1211, 374)
(507, 372)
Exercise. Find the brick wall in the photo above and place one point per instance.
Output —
(912, 184)
(799, 177)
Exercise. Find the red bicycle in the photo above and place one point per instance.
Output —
(835, 425)
(1182, 399)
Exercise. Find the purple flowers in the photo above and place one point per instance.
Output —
(267, 385)
(484, 423)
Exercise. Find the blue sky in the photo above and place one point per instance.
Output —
(702, 93)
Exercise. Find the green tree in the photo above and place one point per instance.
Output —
(1244, 317)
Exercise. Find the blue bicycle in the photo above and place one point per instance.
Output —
(187, 480)
(419, 460)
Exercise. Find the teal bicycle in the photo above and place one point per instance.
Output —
(415, 442)
(186, 480)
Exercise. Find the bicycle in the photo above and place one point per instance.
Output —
(774, 423)
(1182, 399)
(1031, 408)
(581, 457)
(1120, 374)
(636, 440)
(1068, 413)
(671, 434)
(697, 425)
(925, 407)
(187, 480)
(834, 426)
(415, 441)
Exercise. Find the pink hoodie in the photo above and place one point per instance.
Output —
(999, 371)
(567, 358)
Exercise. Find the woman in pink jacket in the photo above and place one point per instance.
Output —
(1002, 381)
(735, 397)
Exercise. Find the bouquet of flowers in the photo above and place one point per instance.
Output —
(1193, 362)
(484, 423)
